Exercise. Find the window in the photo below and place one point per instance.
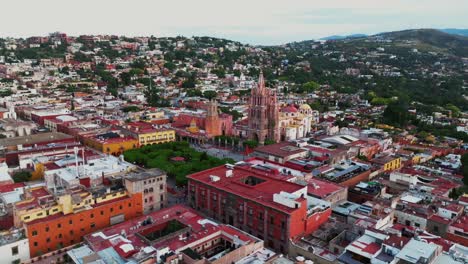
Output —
(93, 225)
(102, 212)
(14, 251)
(120, 207)
(161, 187)
(48, 240)
(250, 211)
(47, 229)
(112, 209)
(34, 233)
(91, 216)
(129, 204)
(59, 225)
(35, 244)
(161, 198)
(59, 235)
(70, 222)
(71, 232)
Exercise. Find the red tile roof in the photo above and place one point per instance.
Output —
(200, 228)
(283, 149)
(261, 193)
(322, 188)
(397, 241)
(10, 187)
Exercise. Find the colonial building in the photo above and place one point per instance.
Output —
(56, 220)
(259, 200)
(269, 121)
(152, 184)
(208, 124)
(296, 123)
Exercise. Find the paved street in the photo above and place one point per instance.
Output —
(219, 152)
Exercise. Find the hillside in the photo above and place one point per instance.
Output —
(427, 38)
(456, 31)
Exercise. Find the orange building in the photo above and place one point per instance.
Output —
(71, 223)
(114, 146)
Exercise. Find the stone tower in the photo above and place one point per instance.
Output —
(212, 124)
(263, 113)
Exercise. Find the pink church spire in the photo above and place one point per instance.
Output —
(261, 81)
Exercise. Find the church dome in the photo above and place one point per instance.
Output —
(305, 107)
(289, 109)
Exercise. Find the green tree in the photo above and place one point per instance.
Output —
(139, 64)
(464, 161)
(193, 93)
(210, 94)
(309, 87)
(21, 176)
(131, 108)
(455, 110)
(396, 113)
(219, 72)
(153, 97)
(251, 143)
(170, 66)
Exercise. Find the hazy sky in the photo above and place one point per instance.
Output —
(251, 21)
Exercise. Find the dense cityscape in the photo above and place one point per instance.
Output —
(200, 150)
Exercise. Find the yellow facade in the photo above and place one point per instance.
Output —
(393, 164)
(64, 205)
(114, 147)
(155, 115)
(416, 159)
(156, 137)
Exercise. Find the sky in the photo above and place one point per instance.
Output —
(261, 22)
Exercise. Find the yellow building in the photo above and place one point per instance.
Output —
(147, 134)
(112, 146)
(39, 203)
(388, 163)
(158, 136)
(153, 114)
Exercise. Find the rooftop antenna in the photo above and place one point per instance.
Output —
(83, 162)
(75, 150)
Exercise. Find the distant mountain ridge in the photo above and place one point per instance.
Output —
(337, 37)
(456, 31)
(452, 31)
(429, 39)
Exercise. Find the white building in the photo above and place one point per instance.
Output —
(14, 247)
(297, 123)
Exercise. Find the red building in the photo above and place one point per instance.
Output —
(258, 200)
(63, 229)
(458, 231)
(212, 122)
